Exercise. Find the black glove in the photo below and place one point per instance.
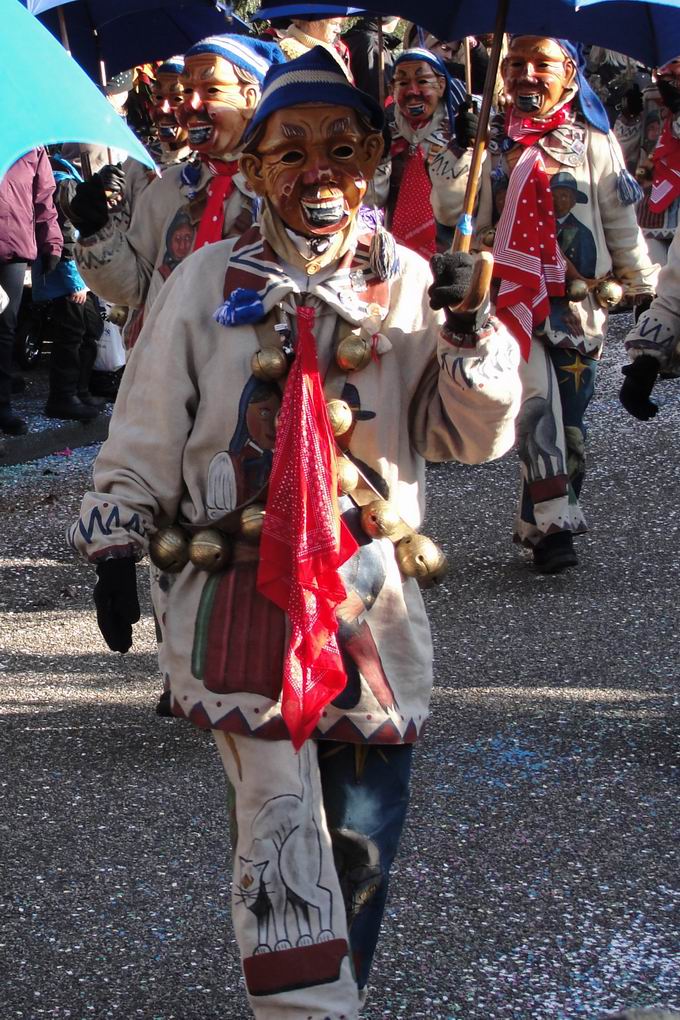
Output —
(452, 274)
(467, 122)
(637, 387)
(669, 94)
(89, 207)
(115, 596)
(631, 104)
(49, 262)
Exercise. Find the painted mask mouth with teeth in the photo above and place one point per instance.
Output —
(324, 208)
(199, 134)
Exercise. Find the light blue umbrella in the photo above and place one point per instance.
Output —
(50, 98)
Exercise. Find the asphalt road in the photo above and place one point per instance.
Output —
(538, 875)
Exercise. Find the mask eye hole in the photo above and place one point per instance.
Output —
(293, 156)
(343, 151)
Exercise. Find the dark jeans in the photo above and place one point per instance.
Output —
(75, 332)
(365, 796)
(12, 282)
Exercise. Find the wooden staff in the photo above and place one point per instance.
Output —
(463, 235)
(468, 65)
(381, 64)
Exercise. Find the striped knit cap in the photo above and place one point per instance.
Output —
(173, 65)
(254, 55)
(314, 77)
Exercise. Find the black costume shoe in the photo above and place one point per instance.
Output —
(11, 424)
(91, 400)
(70, 408)
(555, 553)
(164, 706)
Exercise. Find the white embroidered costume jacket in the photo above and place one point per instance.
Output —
(182, 412)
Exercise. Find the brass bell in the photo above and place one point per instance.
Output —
(488, 237)
(608, 293)
(209, 550)
(418, 556)
(117, 314)
(268, 364)
(577, 290)
(348, 476)
(169, 549)
(380, 519)
(353, 353)
(252, 522)
(340, 416)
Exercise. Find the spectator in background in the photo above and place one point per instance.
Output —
(28, 231)
(302, 36)
(452, 55)
(75, 318)
(362, 40)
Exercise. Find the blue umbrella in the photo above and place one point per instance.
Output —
(60, 105)
(119, 34)
(307, 10)
(649, 32)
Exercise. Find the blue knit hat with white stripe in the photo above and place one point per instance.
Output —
(315, 77)
(173, 65)
(454, 93)
(254, 55)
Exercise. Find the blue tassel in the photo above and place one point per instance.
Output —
(628, 189)
(241, 308)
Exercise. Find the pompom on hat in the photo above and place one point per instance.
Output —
(253, 55)
(314, 77)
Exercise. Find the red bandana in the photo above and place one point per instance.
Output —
(666, 159)
(527, 256)
(303, 542)
(219, 190)
(413, 221)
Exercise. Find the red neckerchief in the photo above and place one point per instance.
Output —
(413, 222)
(666, 159)
(220, 188)
(304, 542)
(527, 256)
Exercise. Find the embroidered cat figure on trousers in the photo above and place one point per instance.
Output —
(280, 879)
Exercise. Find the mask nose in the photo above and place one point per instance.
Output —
(165, 107)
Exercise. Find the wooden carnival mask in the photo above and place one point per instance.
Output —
(313, 163)
(536, 73)
(219, 100)
(417, 90)
(167, 94)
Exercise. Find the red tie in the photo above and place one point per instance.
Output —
(304, 542)
(219, 190)
(413, 220)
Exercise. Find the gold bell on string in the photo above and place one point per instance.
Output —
(209, 550)
(379, 519)
(117, 314)
(418, 556)
(340, 416)
(169, 549)
(348, 476)
(608, 293)
(269, 364)
(353, 353)
(488, 237)
(252, 522)
(577, 290)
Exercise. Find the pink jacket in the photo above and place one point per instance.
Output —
(28, 218)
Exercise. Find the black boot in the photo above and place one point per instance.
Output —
(11, 424)
(90, 399)
(70, 408)
(555, 553)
